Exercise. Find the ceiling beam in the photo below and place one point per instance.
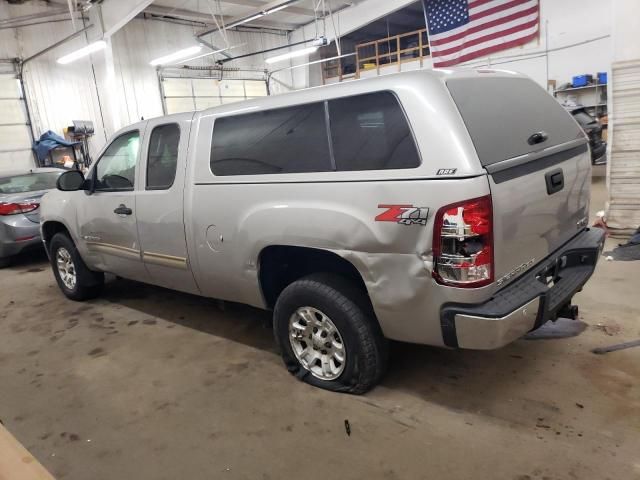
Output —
(256, 22)
(199, 17)
(39, 16)
(257, 4)
(117, 13)
(180, 13)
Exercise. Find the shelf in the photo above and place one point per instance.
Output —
(570, 89)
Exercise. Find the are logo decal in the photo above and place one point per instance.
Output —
(446, 171)
(403, 214)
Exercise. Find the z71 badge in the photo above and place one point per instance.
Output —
(403, 214)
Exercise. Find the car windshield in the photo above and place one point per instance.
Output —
(30, 182)
(583, 118)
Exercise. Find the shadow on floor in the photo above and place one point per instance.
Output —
(34, 260)
(458, 379)
(232, 321)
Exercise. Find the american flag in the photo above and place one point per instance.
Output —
(461, 30)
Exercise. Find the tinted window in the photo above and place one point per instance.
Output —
(163, 156)
(370, 132)
(501, 113)
(117, 166)
(30, 182)
(284, 140)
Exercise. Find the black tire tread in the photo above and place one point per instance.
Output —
(354, 303)
(88, 283)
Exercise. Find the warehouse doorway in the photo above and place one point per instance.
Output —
(209, 88)
(15, 131)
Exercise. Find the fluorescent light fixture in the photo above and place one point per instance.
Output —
(296, 53)
(277, 9)
(246, 20)
(83, 52)
(180, 54)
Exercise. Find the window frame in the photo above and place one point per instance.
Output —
(146, 170)
(327, 122)
(94, 171)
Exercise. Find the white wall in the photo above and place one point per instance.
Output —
(135, 82)
(56, 95)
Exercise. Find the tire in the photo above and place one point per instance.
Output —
(5, 262)
(360, 341)
(88, 284)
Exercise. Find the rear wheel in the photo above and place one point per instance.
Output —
(5, 262)
(328, 335)
(74, 278)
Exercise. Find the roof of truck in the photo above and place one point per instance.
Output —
(391, 81)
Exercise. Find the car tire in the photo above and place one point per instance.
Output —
(5, 262)
(74, 278)
(352, 334)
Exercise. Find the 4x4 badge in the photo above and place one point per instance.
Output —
(403, 214)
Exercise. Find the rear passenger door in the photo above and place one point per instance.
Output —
(160, 209)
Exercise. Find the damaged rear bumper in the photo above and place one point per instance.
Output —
(527, 302)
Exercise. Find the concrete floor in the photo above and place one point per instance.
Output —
(145, 383)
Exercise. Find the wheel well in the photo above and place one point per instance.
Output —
(281, 265)
(49, 229)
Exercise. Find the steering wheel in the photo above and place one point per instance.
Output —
(117, 181)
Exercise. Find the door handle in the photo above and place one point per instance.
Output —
(123, 210)
(554, 180)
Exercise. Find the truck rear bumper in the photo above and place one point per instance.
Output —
(526, 303)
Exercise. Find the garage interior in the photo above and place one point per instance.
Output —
(148, 383)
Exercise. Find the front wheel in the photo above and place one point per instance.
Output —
(74, 278)
(328, 335)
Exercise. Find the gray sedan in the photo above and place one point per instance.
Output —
(20, 195)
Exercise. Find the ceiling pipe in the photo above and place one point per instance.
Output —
(266, 51)
(213, 48)
(23, 25)
(33, 16)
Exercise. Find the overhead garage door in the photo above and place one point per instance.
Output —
(188, 94)
(15, 136)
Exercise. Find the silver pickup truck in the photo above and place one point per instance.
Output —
(434, 207)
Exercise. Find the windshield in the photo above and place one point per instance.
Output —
(31, 182)
(583, 118)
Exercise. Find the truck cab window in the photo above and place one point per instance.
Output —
(163, 156)
(117, 166)
(283, 140)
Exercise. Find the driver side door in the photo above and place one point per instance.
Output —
(107, 216)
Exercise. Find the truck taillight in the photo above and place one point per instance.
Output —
(463, 243)
(15, 208)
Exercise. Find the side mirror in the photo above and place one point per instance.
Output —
(71, 181)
